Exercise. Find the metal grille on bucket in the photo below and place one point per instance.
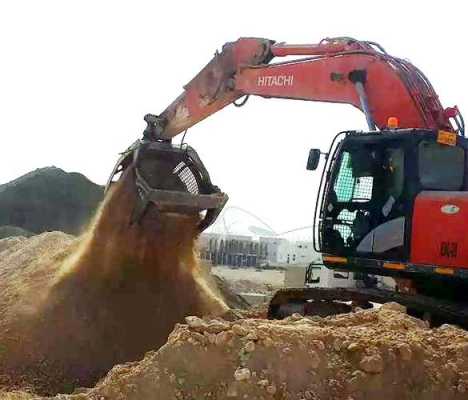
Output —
(187, 177)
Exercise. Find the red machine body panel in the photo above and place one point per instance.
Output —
(327, 72)
(439, 235)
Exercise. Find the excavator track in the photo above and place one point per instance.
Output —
(319, 301)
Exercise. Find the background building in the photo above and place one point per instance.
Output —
(249, 251)
(233, 250)
(240, 238)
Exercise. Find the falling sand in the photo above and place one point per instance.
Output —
(116, 296)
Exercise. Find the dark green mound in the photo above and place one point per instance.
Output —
(10, 231)
(48, 199)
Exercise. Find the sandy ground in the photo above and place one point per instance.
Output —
(250, 280)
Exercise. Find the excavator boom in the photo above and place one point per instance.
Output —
(341, 70)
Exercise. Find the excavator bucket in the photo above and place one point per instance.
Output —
(173, 179)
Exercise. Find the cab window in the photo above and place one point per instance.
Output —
(441, 167)
(350, 187)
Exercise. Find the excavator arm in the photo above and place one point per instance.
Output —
(341, 70)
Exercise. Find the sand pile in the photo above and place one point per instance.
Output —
(10, 241)
(68, 316)
(28, 266)
(246, 286)
(381, 354)
(371, 354)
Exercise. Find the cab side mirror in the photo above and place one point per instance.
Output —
(313, 160)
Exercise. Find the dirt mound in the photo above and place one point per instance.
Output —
(247, 286)
(27, 269)
(117, 294)
(371, 354)
(49, 199)
(8, 242)
(381, 354)
(230, 296)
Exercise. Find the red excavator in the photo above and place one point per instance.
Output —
(392, 201)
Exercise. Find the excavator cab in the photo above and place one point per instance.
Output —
(368, 211)
(391, 203)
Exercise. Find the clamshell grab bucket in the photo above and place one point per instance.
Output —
(173, 179)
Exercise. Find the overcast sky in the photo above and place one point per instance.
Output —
(76, 78)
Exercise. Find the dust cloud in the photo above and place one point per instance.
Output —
(117, 296)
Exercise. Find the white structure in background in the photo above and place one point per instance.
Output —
(295, 276)
(292, 250)
(298, 252)
(205, 238)
(274, 246)
(321, 276)
(297, 256)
